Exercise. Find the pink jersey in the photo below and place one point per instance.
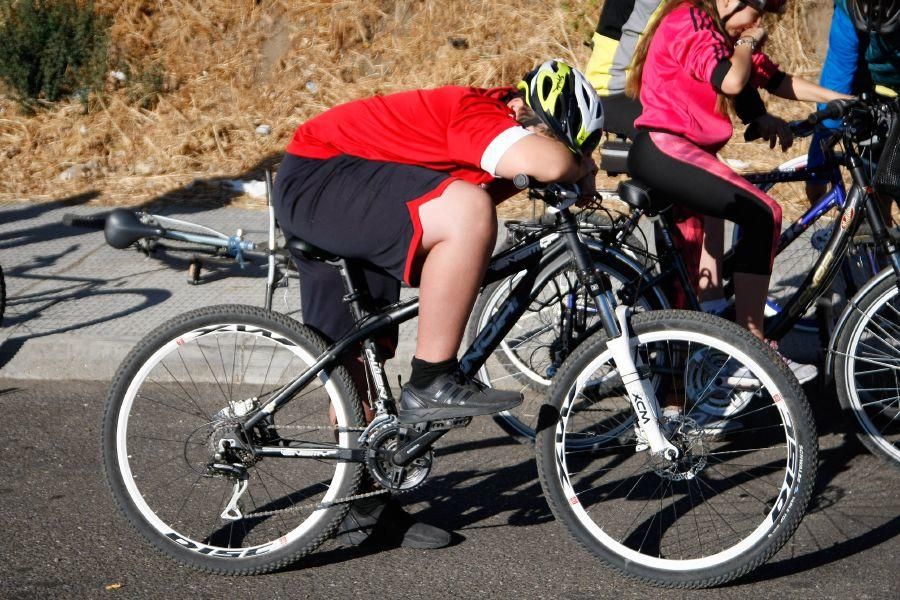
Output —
(686, 56)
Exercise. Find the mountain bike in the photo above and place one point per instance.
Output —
(533, 351)
(234, 438)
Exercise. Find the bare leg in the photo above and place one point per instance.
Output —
(711, 253)
(458, 233)
(750, 300)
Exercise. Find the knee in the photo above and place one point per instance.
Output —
(475, 212)
(464, 213)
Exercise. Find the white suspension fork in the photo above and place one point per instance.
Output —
(640, 391)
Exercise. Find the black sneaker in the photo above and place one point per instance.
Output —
(380, 520)
(450, 396)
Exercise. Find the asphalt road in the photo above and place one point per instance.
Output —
(63, 538)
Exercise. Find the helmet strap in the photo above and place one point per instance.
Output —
(740, 6)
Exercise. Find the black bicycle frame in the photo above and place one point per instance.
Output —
(531, 256)
(860, 200)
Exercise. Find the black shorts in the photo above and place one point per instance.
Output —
(355, 208)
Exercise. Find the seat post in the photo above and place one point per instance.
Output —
(356, 295)
(355, 288)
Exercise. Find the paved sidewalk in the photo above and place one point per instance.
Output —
(76, 306)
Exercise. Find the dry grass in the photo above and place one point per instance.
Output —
(230, 66)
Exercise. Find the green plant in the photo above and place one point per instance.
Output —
(51, 48)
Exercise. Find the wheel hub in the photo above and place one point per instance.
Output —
(684, 433)
(702, 370)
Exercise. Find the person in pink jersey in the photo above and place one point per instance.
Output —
(696, 57)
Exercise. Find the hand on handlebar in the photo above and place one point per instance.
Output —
(774, 130)
(834, 109)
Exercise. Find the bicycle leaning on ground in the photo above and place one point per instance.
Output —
(556, 323)
(151, 233)
(234, 440)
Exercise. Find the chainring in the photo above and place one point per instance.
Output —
(384, 441)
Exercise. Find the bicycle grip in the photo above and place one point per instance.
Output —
(89, 221)
(521, 181)
(833, 110)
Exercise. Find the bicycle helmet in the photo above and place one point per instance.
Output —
(876, 16)
(562, 98)
(773, 6)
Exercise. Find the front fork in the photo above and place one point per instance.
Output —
(621, 344)
(639, 389)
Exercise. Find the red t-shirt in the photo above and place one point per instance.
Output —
(459, 130)
(677, 92)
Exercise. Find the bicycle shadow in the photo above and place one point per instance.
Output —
(15, 238)
(464, 499)
(37, 310)
(29, 300)
(835, 506)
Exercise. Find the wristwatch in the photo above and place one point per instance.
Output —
(747, 41)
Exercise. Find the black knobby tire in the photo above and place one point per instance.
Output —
(526, 359)
(742, 483)
(174, 397)
(867, 369)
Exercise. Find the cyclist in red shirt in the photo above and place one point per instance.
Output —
(408, 183)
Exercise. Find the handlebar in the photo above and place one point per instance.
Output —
(557, 195)
(835, 109)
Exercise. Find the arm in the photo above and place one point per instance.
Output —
(741, 68)
(797, 88)
(542, 158)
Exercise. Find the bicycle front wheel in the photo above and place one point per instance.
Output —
(867, 369)
(744, 477)
(182, 468)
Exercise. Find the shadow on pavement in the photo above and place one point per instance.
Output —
(843, 518)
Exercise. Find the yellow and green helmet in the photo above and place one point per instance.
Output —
(566, 102)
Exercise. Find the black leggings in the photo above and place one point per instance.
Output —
(695, 179)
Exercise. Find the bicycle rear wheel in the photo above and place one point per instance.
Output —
(867, 369)
(741, 485)
(173, 418)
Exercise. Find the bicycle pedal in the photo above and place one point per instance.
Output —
(449, 423)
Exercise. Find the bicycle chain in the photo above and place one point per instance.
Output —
(319, 505)
(316, 505)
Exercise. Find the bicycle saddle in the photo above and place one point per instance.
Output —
(123, 228)
(638, 194)
(298, 248)
(614, 157)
